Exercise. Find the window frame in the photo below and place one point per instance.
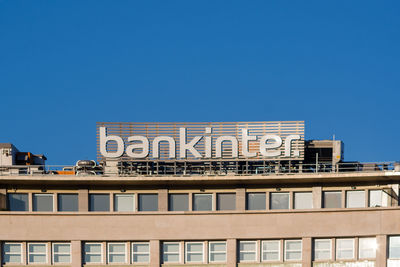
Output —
(359, 247)
(117, 253)
(286, 250)
(35, 253)
(324, 192)
(170, 196)
(116, 195)
(217, 206)
(337, 249)
(164, 253)
(187, 252)
(42, 194)
(8, 202)
(140, 253)
(302, 192)
(279, 193)
(139, 202)
(389, 246)
(348, 200)
(255, 250)
(90, 201)
(58, 202)
(208, 194)
(262, 250)
(53, 253)
(5, 253)
(248, 194)
(86, 253)
(330, 249)
(210, 252)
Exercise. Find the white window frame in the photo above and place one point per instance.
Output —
(286, 250)
(187, 252)
(44, 194)
(12, 253)
(53, 253)
(124, 194)
(349, 192)
(302, 192)
(279, 193)
(212, 201)
(165, 253)
(330, 248)
(35, 253)
(140, 253)
(210, 252)
(359, 247)
(389, 246)
(116, 253)
(89, 253)
(264, 250)
(337, 249)
(255, 250)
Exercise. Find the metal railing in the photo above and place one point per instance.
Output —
(210, 168)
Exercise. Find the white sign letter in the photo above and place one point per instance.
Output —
(218, 153)
(277, 142)
(183, 146)
(245, 144)
(156, 146)
(144, 145)
(103, 144)
(288, 145)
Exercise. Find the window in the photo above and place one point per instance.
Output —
(12, 253)
(178, 202)
(394, 247)
(202, 202)
(367, 248)
(42, 202)
(292, 250)
(279, 201)
(303, 200)
(255, 201)
(345, 248)
(217, 251)
(322, 249)
(355, 199)
(171, 252)
(378, 198)
(247, 251)
(37, 252)
(140, 252)
(271, 250)
(93, 253)
(116, 252)
(61, 252)
(123, 202)
(226, 201)
(17, 202)
(194, 252)
(148, 202)
(67, 202)
(99, 202)
(332, 199)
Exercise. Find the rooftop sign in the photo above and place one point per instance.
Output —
(201, 141)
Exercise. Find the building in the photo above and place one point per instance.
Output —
(150, 202)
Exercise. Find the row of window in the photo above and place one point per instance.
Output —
(200, 202)
(324, 249)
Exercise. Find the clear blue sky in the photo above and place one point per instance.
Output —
(64, 65)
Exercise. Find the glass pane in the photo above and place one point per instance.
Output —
(303, 200)
(61, 248)
(93, 248)
(17, 202)
(271, 245)
(293, 255)
(195, 257)
(42, 202)
(93, 258)
(247, 246)
(194, 247)
(37, 258)
(123, 202)
(62, 258)
(293, 245)
(171, 247)
(140, 258)
(345, 244)
(116, 248)
(140, 247)
(226, 201)
(394, 247)
(99, 202)
(355, 199)
(322, 255)
(375, 198)
(255, 201)
(270, 256)
(178, 202)
(37, 248)
(171, 258)
(279, 201)
(12, 258)
(214, 247)
(14, 248)
(67, 202)
(247, 256)
(202, 202)
(345, 254)
(367, 247)
(116, 258)
(221, 257)
(148, 202)
(322, 244)
(332, 199)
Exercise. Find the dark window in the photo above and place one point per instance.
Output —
(42, 202)
(148, 202)
(99, 202)
(202, 202)
(67, 202)
(255, 201)
(226, 201)
(178, 202)
(17, 202)
(332, 199)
